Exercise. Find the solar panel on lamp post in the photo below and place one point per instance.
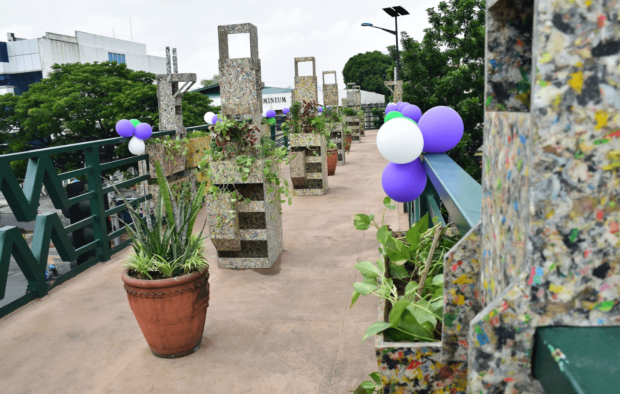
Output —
(394, 12)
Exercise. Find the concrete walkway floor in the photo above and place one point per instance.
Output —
(288, 329)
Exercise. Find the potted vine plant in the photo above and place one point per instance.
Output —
(408, 280)
(347, 138)
(332, 158)
(307, 136)
(246, 191)
(171, 154)
(167, 277)
(335, 130)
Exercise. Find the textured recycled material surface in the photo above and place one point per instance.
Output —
(311, 142)
(353, 124)
(337, 136)
(196, 149)
(171, 160)
(416, 367)
(397, 90)
(330, 91)
(568, 206)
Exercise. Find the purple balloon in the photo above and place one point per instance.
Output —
(285, 111)
(390, 108)
(271, 113)
(442, 129)
(404, 182)
(124, 128)
(412, 112)
(214, 119)
(144, 131)
(401, 106)
(320, 109)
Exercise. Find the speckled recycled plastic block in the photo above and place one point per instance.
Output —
(171, 160)
(259, 220)
(196, 149)
(416, 367)
(336, 135)
(306, 87)
(353, 124)
(298, 168)
(396, 87)
(330, 91)
(223, 222)
(241, 83)
(550, 216)
(316, 181)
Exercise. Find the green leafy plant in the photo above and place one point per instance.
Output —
(347, 111)
(166, 251)
(243, 142)
(379, 114)
(369, 386)
(409, 275)
(302, 118)
(332, 145)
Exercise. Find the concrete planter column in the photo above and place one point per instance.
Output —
(308, 164)
(337, 136)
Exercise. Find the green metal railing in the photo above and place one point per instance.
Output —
(449, 184)
(24, 203)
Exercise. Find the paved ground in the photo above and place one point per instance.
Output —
(284, 330)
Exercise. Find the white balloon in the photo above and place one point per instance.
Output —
(209, 117)
(136, 146)
(400, 141)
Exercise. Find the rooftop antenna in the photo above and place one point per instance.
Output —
(130, 29)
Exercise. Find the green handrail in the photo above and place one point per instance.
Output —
(24, 203)
(447, 182)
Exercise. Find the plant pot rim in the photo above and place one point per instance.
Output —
(380, 341)
(160, 283)
(332, 151)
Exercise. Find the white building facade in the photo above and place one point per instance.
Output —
(25, 61)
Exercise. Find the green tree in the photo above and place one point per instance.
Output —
(208, 82)
(369, 70)
(83, 102)
(447, 68)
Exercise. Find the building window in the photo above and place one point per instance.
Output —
(116, 57)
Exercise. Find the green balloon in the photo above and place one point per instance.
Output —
(135, 122)
(272, 121)
(392, 115)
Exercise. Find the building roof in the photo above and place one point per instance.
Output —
(213, 91)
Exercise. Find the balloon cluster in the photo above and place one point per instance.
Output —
(139, 132)
(271, 117)
(403, 137)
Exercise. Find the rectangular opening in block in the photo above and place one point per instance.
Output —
(175, 88)
(239, 46)
(330, 79)
(305, 69)
(313, 167)
(249, 249)
(252, 221)
(253, 191)
(509, 55)
(310, 184)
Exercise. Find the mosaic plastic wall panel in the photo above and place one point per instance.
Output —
(509, 56)
(259, 225)
(461, 270)
(298, 168)
(397, 90)
(223, 222)
(505, 200)
(330, 91)
(570, 273)
(196, 149)
(306, 88)
(353, 124)
(241, 83)
(337, 136)
(315, 148)
(415, 367)
(171, 159)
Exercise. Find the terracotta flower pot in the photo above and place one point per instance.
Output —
(347, 143)
(332, 161)
(170, 312)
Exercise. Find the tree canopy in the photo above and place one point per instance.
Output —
(82, 102)
(369, 70)
(447, 68)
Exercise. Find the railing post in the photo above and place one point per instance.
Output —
(273, 133)
(97, 207)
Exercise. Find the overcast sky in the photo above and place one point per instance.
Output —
(328, 30)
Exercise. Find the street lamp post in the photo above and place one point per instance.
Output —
(394, 12)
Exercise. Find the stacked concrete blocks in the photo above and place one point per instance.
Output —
(330, 91)
(306, 87)
(249, 233)
(353, 124)
(308, 164)
(336, 133)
